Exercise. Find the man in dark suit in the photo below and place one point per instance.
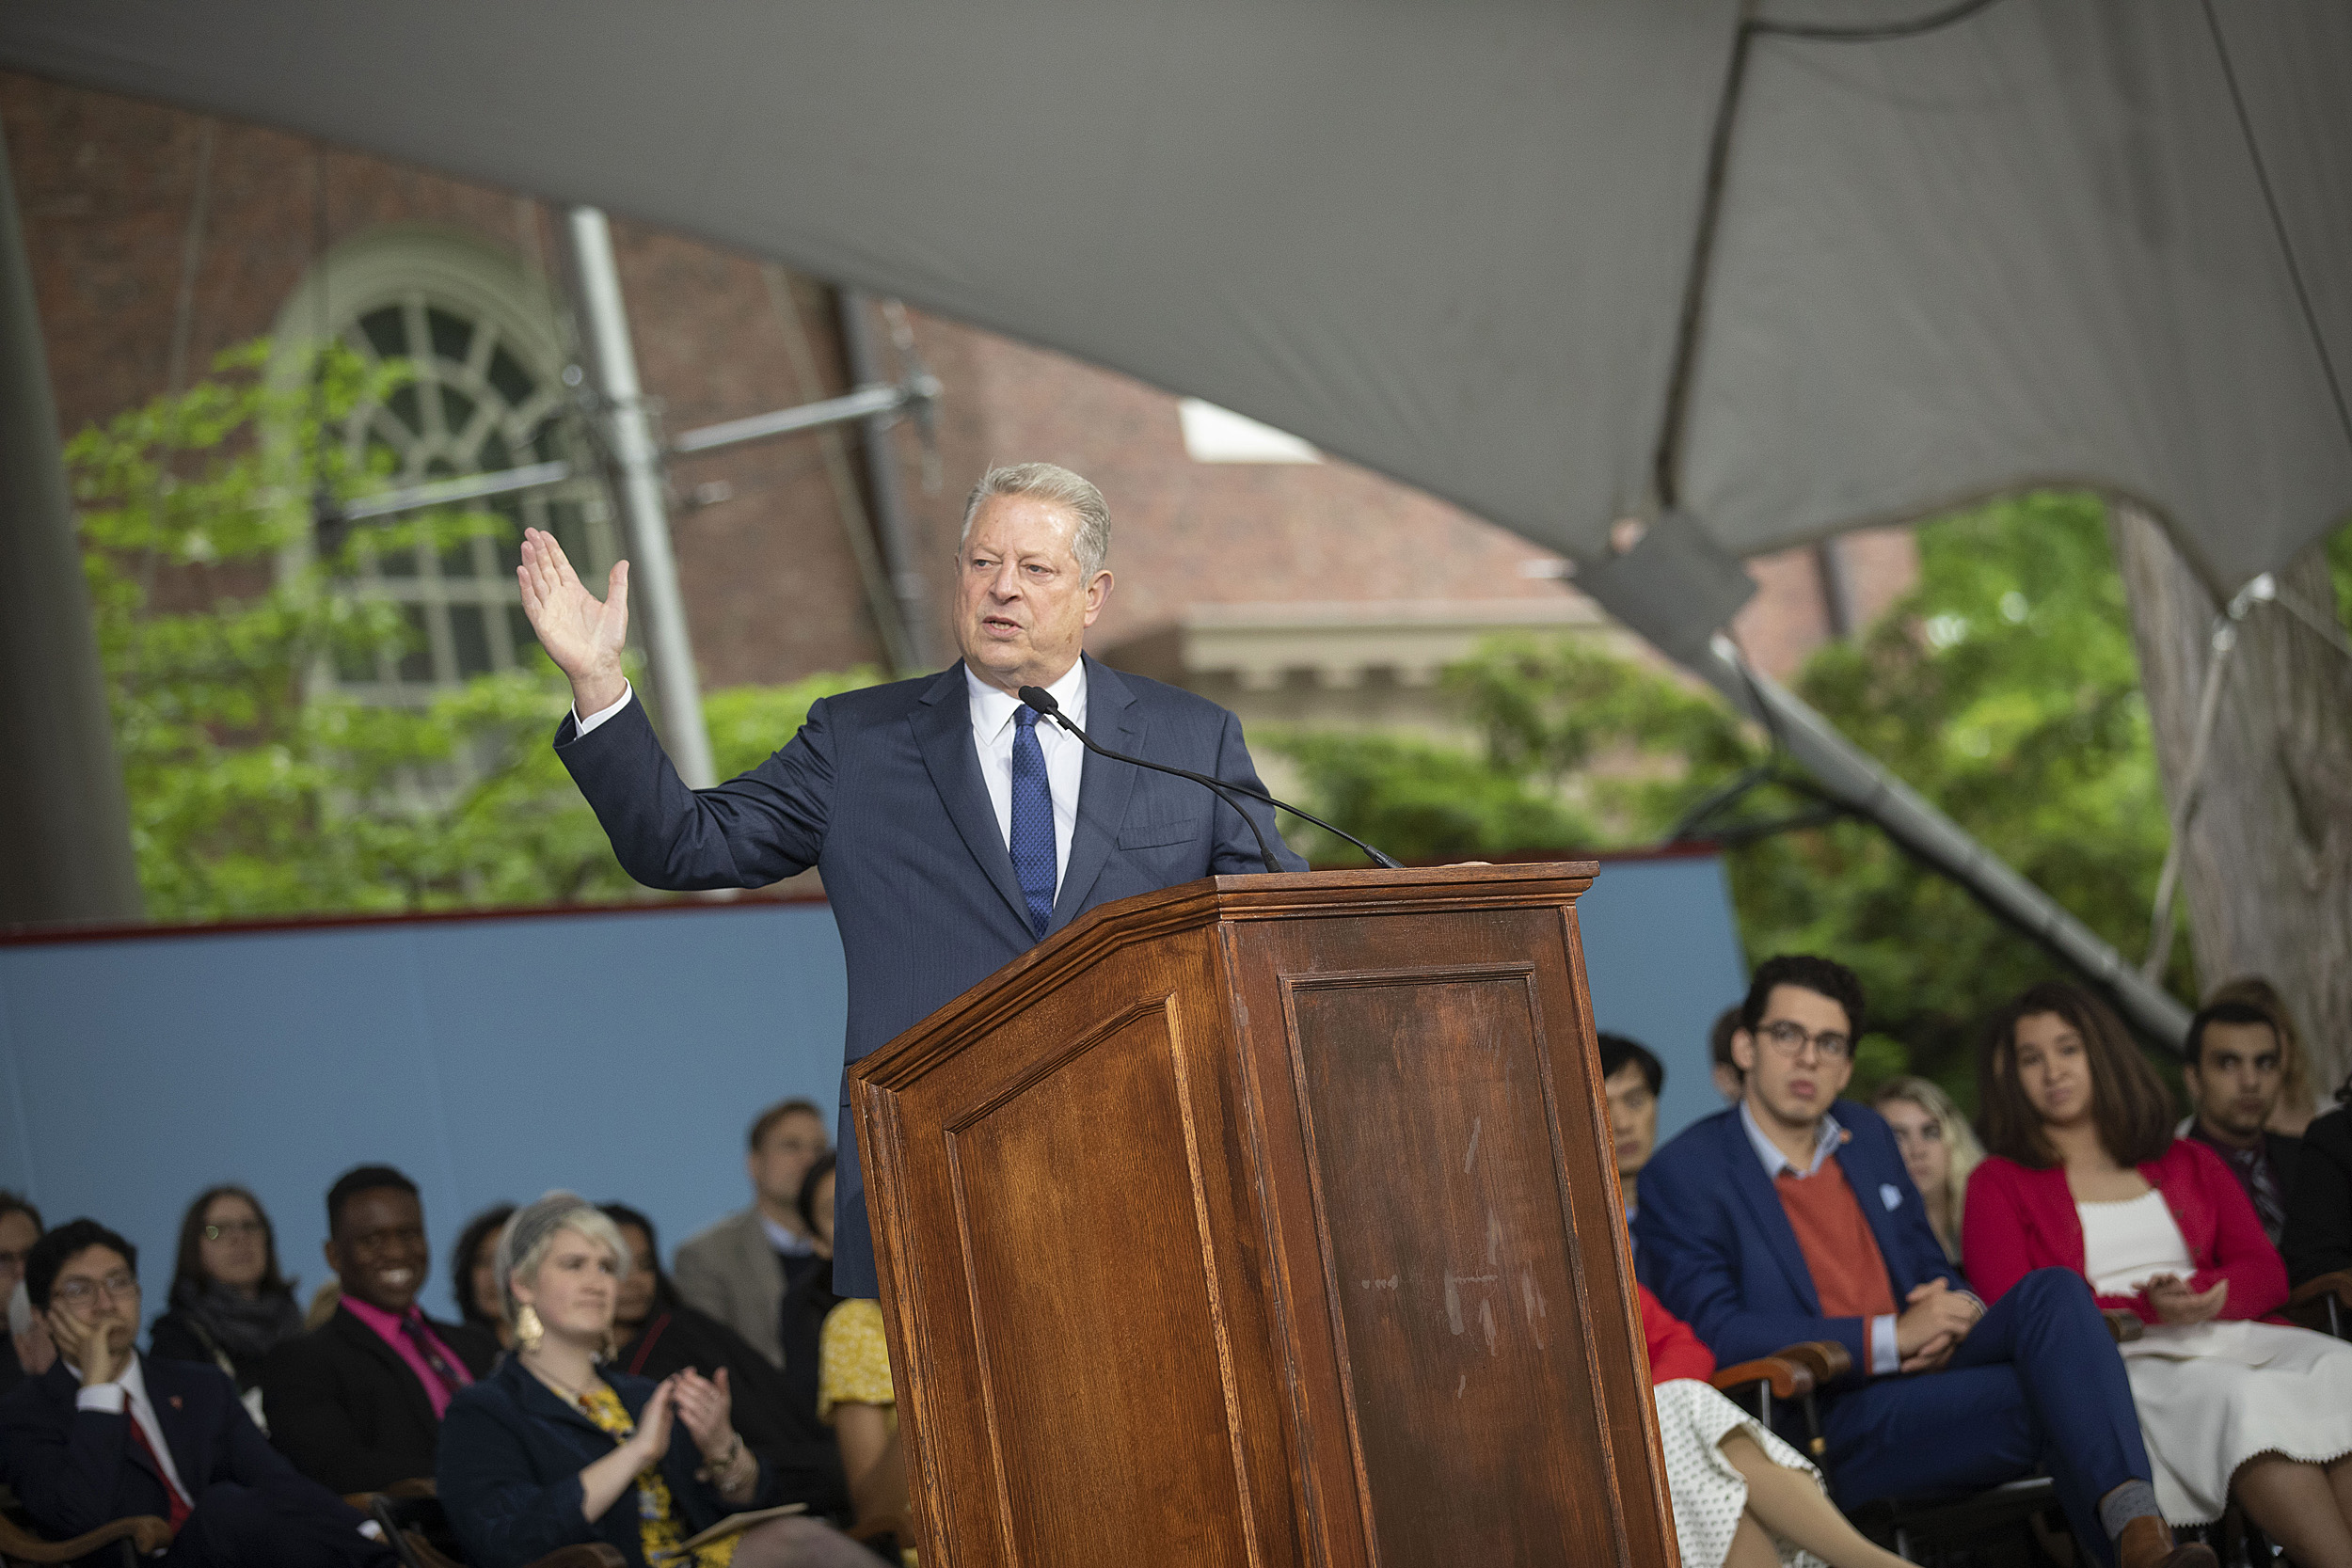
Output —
(953, 830)
(2234, 1067)
(1790, 1217)
(357, 1402)
(106, 1434)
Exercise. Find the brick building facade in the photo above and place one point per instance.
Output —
(1306, 590)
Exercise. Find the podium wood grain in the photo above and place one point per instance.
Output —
(1268, 1220)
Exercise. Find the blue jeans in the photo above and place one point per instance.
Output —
(2037, 1384)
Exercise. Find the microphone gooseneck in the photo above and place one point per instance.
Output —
(1043, 701)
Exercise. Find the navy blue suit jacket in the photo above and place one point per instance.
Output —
(77, 1470)
(508, 1472)
(1720, 1255)
(882, 791)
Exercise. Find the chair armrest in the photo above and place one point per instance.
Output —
(1793, 1371)
(2314, 1291)
(143, 1530)
(2123, 1324)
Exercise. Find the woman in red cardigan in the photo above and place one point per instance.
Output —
(1742, 1498)
(2085, 1174)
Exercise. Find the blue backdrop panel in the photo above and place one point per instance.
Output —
(620, 1054)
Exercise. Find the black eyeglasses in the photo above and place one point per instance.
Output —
(1789, 1040)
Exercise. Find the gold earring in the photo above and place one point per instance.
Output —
(529, 1330)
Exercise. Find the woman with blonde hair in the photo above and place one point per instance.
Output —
(552, 1450)
(1939, 1150)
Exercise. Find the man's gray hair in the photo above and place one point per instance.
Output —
(523, 1244)
(1047, 482)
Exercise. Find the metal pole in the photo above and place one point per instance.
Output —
(65, 821)
(636, 458)
(881, 479)
(1857, 781)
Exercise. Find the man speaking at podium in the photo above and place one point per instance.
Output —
(954, 831)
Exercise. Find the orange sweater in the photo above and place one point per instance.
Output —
(1849, 1272)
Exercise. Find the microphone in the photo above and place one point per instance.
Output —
(1043, 701)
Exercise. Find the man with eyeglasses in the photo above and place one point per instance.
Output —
(1790, 1217)
(106, 1434)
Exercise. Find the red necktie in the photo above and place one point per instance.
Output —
(180, 1508)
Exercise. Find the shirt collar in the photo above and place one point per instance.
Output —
(386, 1323)
(1825, 1140)
(790, 1243)
(134, 1382)
(2235, 1153)
(993, 708)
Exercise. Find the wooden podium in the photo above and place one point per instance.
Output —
(1268, 1220)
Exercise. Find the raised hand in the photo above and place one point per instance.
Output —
(653, 1424)
(705, 1406)
(584, 635)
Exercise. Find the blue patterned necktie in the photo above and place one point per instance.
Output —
(1032, 821)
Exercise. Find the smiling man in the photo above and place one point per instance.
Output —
(954, 831)
(1790, 1217)
(357, 1402)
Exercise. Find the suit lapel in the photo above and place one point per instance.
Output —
(1867, 1182)
(1116, 719)
(370, 1344)
(1757, 1191)
(178, 1425)
(943, 729)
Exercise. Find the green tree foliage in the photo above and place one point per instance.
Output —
(255, 788)
(2003, 687)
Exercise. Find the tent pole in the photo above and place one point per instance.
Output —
(1856, 780)
(612, 361)
(881, 479)
(65, 821)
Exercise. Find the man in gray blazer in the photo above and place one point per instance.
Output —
(953, 831)
(738, 1268)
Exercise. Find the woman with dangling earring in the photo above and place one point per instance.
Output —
(554, 1448)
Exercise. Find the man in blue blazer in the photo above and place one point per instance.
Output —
(953, 831)
(107, 1434)
(1789, 1217)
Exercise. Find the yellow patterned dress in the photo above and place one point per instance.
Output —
(853, 1360)
(658, 1527)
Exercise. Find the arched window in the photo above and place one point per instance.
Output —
(480, 332)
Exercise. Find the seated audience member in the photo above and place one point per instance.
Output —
(1729, 1080)
(655, 1335)
(230, 1305)
(2319, 1199)
(1742, 1497)
(473, 1276)
(854, 1393)
(1789, 1217)
(548, 1452)
(1939, 1150)
(20, 1227)
(737, 1270)
(2299, 1098)
(357, 1402)
(2231, 1064)
(1630, 1077)
(2085, 1174)
(107, 1434)
(805, 1305)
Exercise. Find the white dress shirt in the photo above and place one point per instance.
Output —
(1885, 1355)
(992, 732)
(127, 1396)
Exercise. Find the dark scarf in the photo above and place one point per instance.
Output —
(248, 1328)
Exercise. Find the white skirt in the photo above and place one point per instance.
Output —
(1708, 1495)
(2217, 1395)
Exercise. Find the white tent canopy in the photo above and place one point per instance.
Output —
(1560, 263)
(1451, 242)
